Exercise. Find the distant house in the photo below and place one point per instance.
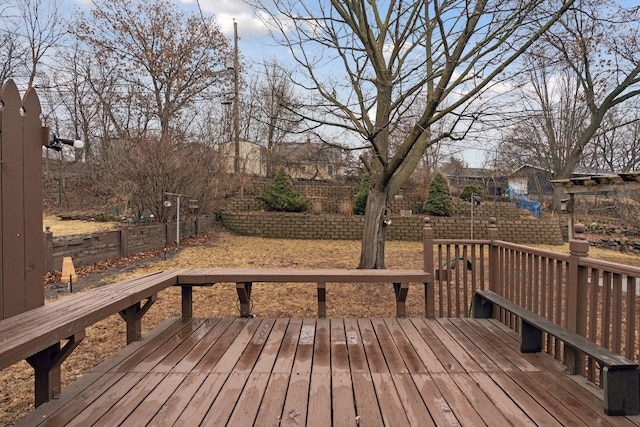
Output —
(252, 157)
(485, 178)
(310, 160)
(529, 179)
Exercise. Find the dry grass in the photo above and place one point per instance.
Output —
(598, 253)
(67, 227)
(270, 300)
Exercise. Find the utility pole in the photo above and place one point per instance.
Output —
(236, 99)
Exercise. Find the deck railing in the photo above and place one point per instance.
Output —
(594, 298)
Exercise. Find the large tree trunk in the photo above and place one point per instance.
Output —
(375, 229)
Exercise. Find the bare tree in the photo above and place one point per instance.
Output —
(598, 42)
(43, 25)
(164, 58)
(369, 60)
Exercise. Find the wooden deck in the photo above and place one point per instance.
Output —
(341, 372)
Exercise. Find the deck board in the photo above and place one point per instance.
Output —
(327, 372)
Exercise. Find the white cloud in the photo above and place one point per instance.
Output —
(226, 11)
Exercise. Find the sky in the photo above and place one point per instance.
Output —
(255, 45)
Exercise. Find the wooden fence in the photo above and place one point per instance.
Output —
(21, 261)
(86, 249)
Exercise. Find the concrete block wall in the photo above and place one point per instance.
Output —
(306, 226)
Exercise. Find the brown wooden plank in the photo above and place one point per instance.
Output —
(388, 347)
(179, 400)
(447, 360)
(123, 407)
(504, 357)
(421, 347)
(235, 350)
(457, 351)
(102, 405)
(469, 346)
(344, 411)
(355, 348)
(226, 400)
(200, 328)
(461, 407)
(191, 359)
(270, 412)
(253, 349)
(155, 400)
(160, 353)
(502, 401)
(577, 395)
(84, 391)
(411, 399)
(375, 358)
(270, 350)
(12, 195)
(367, 408)
(405, 348)
(284, 362)
(390, 405)
(218, 349)
(295, 405)
(34, 255)
(543, 394)
(480, 401)
(438, 407)
(321, 347)
(248, 403)
(256, 275)
(201, 401)
(529, 405)
(319, 410)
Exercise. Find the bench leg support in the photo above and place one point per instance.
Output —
(482, 307)
(244, 296)
(46, 365)
(401, 290)
(187, 302)
(322, 300)
(133, 317)
(531, 338)
(621, 391)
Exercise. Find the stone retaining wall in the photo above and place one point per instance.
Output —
(339, 227)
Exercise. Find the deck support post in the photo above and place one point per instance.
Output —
(244, 296)
(621, 391)
(401, 290)
(46, 364)
(322, 299)
(187, 302)
(427, 252)
(132, 315)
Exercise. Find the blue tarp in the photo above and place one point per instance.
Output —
(523, 202)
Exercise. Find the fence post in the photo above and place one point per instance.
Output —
(124, 240)
(576, 296)
(494, 256)
(427, 252)
(48, 250)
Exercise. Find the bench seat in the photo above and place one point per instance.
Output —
(619, 374)
(245, 277)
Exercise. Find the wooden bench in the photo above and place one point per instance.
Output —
(37, 335)
(620, 375)
(244, 279)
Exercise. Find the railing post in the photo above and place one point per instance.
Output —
(427, 252)
(576, 296)
(494, 256)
